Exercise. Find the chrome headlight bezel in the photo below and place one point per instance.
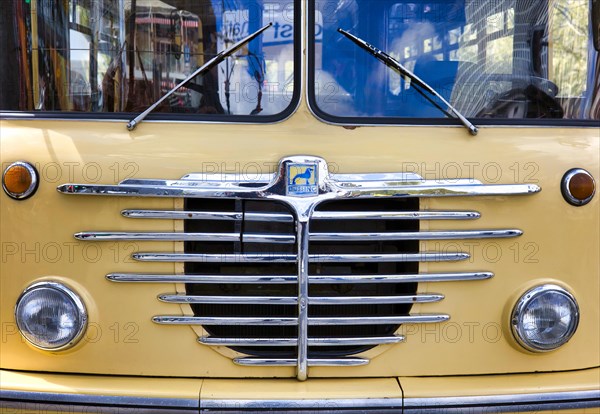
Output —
(69, 295)
(522, 306)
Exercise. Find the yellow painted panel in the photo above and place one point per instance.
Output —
(182, 388)
(431, 387)
(252, 389)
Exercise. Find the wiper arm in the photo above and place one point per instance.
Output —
(418, 82)
(221, 56)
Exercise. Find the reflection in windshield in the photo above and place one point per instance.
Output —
(500, 59)
(123, 55)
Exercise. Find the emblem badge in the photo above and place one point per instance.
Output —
(302, 179)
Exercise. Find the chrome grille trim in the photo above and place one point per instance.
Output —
(379, 340)
(232, 192)
(230, 300)
(207, 215)
(275, 217)
(217, 279)
(301, 200)
(291, 258)
(204, 237)
(311, 362)
(215, 258)
(215, 341)
(195, 320)
(379, 320)
(406, 278)
(417, 235)
(400, 257)
(374, 300)
(291, 279)
(375, 320)
(148, 236)
(268, 238)
(181, 215)
(396, 215)
(303, 235)
(282, 300)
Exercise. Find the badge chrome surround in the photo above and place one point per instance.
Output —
(302, 179)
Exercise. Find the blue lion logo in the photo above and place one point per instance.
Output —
(306, 175)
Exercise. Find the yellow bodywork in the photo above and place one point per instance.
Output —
(560, 245)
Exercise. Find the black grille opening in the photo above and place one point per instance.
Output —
(291, 290)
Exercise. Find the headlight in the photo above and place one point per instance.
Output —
(50, 316)
(544, 318)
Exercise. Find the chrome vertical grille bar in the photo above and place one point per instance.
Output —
(303, 237)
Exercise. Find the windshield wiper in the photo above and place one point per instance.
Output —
(420, 85)
(221, 56)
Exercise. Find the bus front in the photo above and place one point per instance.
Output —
(337, 206)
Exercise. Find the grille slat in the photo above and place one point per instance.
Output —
(321, 321)
(374, 300)
(231, 300)
(200, 237)
(202, 279)
(290, 258)
(417, 235)
(311, 362)
(396, 215)
(149, 236)
(281, 300)
(313, 279)
(215, 258)
(318, 215)
(380, 258)
(207, 215)
(211, 321)
(381, 340)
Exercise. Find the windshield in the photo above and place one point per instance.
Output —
(519, 59)
(122, 55)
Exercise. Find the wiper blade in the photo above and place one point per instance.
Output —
(418, 82)
(220, 57)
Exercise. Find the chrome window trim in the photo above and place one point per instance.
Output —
(288, 111)
(482, 123)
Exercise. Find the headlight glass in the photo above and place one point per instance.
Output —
(545, 318)
(50, 316)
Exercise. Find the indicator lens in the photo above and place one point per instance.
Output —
(578, 187)
(20, 180)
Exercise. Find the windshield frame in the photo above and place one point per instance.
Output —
(311, 97)
(286, 113)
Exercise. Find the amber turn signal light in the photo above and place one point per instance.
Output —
(20, 180)
(578, 187)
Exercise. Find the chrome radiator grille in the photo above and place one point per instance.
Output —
(307, 271)
(274, 225)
